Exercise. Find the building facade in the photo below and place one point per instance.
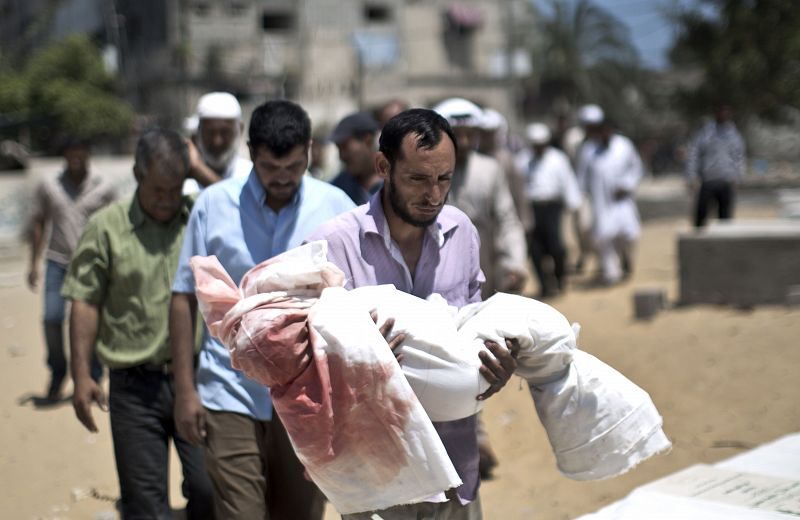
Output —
(332, 56)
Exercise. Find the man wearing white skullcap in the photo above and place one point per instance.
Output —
(609, 169)
(213, 151)
(550, 188)
(590, 117)
(494, 143)
(480, 190)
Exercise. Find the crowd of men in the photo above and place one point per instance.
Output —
(432, 201)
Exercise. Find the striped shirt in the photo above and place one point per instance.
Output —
(716, 154)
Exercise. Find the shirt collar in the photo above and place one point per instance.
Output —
(379, 225)
(258, 191)
(90, 180)
(139, 218)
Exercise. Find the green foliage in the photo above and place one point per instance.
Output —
(75, 59)
(66, 86)
(85, 111)
(13, 93)
(749, 54)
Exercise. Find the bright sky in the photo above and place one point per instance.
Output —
(651, 28)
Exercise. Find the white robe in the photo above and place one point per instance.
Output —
(603, 171)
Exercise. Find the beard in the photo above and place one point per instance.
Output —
(219, 163)
(400, 207)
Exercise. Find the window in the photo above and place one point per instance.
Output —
(277, 21)
(461, 21)
(377, 13)
(237, 8)
(201, 8)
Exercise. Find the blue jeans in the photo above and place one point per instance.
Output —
(54, 314)
(141, 410)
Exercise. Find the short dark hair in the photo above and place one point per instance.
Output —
(279, 125)
(426, 124)
(166, 145)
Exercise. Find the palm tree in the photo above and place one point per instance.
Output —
(583, 54)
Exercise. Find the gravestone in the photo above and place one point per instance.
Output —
(740, 263)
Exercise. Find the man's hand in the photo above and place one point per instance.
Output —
(498, 370)
(190, 418)
(513, 281)
(33, 278)
(86, 392)
(386, 331)
(195, 159)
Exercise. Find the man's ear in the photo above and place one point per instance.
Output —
(252, 151)
(382, 165)
(137, 174)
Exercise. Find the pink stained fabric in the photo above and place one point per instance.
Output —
(267, 335)
(252, 321)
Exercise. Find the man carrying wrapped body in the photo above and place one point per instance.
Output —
(360, 421)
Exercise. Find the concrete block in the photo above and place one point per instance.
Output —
(793, 296)
(790, 203)
(648, 302)
(740, 263)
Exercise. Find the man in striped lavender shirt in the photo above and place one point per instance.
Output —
(406, 236)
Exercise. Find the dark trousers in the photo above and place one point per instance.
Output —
(545, 241)
(720, 193)
(141, 408)
(54, 314)
(255, 473)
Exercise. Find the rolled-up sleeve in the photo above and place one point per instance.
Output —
(87, 274)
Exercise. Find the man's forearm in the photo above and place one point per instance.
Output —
(83, 322)
(204, 175)
(182, 312)
(36, 239)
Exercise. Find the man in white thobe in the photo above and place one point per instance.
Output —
(609, 169)
(480, 189)
(494, 143)
(578, 138)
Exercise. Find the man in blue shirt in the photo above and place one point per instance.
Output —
(243, 222)
(356, 136)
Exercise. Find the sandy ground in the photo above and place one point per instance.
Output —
(724, 379)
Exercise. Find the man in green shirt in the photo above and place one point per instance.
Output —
(119, 281)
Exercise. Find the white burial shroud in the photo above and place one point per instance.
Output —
(599, 423)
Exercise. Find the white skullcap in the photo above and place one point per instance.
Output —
(218, 105)
(538, 133)
(591, 115)
(493, 120)
(460, 112)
